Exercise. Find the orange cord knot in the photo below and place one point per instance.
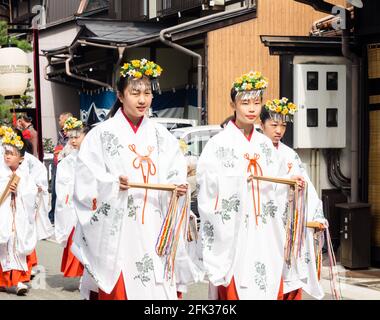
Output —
(254, 169)
(290, 166)
(138, 162)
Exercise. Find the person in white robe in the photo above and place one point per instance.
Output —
(38, 172)
(121, 234)
(301, 273)
(65, 214)
(18, 236)
(242, 246)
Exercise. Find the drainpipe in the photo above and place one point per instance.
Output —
(193, 54)
(70, 74)
(165, 34)
(317, 171)
(347, 53)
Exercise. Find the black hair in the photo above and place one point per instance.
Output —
(233, 94)
(86, 128)
(264, 115)
(228, 119)
(26, 118)
(28, 146)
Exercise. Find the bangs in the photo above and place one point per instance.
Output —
(9, 149)
(140, 85)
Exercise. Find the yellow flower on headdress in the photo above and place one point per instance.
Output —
(149, 72)
(282, 108)
(250, 81)
(139, 68)
(136, 63)
(11, 138)
(2, 130)
(72, 123)
(257, 74)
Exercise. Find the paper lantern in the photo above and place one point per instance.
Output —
(13, 71)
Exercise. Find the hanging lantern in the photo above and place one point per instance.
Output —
(13, 72)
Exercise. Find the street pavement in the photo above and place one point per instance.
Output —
(49, 283)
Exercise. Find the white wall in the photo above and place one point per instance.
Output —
(345, 158)
(56, 98)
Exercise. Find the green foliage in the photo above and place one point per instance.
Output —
(26, 99)
(5, 112)
(48, 145)
(6, 39)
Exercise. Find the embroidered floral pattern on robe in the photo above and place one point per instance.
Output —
(172, 174)
(227, 156)
(269, 210)
(208, 235)
(318, 214)
(285, 214)
(131, 207)
(267, 151)
(229, 206)
(307, 257)
(143, 268)
(111, 143)
(103, 209)
(117, 216)
(260, 276)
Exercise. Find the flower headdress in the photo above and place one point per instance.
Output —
(4, 130)
(281, 109)
(250, 85)
(139, 68)
(72, 123)
(12, 139)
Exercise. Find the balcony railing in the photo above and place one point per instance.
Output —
(168, 7)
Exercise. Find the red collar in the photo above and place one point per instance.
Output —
(133, 126)
(250, 134)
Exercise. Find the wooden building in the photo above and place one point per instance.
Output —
(238, 48)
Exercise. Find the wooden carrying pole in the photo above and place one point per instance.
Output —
(163, 187)
(313, 224)
(14, 179)
(275, 180)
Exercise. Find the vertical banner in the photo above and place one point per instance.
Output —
(95, 107)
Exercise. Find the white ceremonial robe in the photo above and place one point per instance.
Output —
(65, 215)
(18, 236)
(232, 244)
(38, 172)
(112, 238)
(302, 272)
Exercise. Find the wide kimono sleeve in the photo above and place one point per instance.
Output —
(222, 190)
(314, 204)
(22, 219)
(100, 208)
(173, 170)
(65, 216)
(39, 173)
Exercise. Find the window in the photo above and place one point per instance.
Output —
(332, 81)
(312, 117)
(312, 80)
